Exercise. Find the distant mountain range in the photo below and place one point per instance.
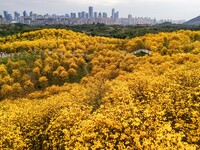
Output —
(194, 21)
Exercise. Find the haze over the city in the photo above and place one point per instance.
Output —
(160, 9)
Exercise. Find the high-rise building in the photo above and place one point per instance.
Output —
(5, 13)
(116, 15)
(73, 15)
(80, 15)
(130, 16)
(16, 14)
(25, 13)
(66, 15)
(83, 14)
(9, 17)
(87, 15)
(99, 15)
(91, 14)
(95, 14)
(1, 18)
(113, 14)
(31, 14)
(105, 15)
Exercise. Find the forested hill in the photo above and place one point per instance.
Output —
(61, 89)
(194, 21)
(116, 31)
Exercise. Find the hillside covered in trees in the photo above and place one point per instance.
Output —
(65, 90)
(194, 21)
(114, 31)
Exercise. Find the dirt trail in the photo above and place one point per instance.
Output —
(85, 70)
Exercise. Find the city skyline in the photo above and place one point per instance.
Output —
(175, 10)
(81, 17)
(80, 14)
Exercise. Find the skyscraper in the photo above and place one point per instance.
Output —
(7, 16)
(99, 15)
(67, 16)
(80, 15)
(91, 14)
(31, 14)
(73, 15)
(105, 15)
(117, 15)
(25, 13)
(16, 15)
(1, 18)
(5, 13)
(87, 15)
(95, 14)
(10, 17)
(113, 14)
(83, 14)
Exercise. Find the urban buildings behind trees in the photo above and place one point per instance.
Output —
(73, 18)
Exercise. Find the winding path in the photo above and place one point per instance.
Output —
(85, 69)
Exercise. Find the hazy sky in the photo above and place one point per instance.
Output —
(159, 9)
